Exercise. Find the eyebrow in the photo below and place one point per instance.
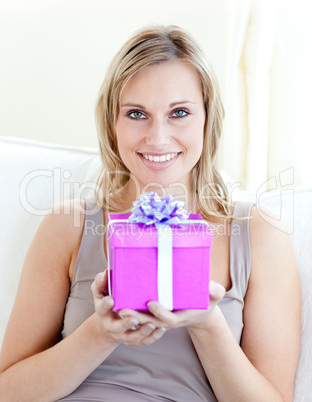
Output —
(171, 104)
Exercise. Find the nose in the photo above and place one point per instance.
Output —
(158, 135)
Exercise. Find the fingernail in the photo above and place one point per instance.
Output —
(108, 302)
(149, 328)
(101, 276)
(160, 331)
(133, 322)
(216, 289)
(151, 306)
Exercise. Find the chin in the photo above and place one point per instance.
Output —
(169, 184)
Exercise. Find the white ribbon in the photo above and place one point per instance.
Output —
(164, 266)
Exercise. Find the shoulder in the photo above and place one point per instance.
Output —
(69, 213)
(62, 229)
(272, 254)
(67, 218)
(264, 220)
(268, 235)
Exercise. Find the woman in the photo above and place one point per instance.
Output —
(159, 119)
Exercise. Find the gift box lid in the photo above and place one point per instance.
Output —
(195, 232)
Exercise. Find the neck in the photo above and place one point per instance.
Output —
(131, 192)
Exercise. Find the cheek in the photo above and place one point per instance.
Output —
(194, 137)
(200, 133)
(126, 144)
(126, 134)
(123, 136)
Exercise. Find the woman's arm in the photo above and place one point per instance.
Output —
(34, 364)
(265, 367)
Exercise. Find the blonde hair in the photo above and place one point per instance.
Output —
(156, 44)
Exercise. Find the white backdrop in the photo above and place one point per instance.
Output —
(55, 53)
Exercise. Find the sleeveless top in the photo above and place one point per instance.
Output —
(169, 369)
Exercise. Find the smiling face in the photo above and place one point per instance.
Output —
(161, 123)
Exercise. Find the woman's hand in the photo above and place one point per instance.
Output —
(128, 329)
(180, 318)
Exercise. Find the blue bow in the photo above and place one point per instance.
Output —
(151, 209)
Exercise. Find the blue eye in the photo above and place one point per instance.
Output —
(180, 113)
(136, 114)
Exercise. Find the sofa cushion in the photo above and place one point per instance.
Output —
(35, 176)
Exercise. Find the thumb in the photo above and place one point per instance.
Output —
(99, 285)
(216, 291)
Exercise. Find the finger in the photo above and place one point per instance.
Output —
(153, 336)
(99, 285)
(216, 291)
(143, 317)
(105, 282)
(146, 335)
(119, 326)
(103, 304)
(163, 315)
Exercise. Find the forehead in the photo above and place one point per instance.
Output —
(165, 79)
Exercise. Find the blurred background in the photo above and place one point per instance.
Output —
(54, 54)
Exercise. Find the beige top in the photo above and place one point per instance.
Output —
(169, 369)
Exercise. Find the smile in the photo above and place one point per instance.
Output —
(162, 158)
(159, 162)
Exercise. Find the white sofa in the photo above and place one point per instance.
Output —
(34, 176)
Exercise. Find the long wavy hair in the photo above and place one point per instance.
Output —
(157, 44)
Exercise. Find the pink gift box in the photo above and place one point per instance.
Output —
(133, 263)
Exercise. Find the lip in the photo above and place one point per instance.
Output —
(157, 154)
(158, 165)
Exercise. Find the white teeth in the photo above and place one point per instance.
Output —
(162, 158)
